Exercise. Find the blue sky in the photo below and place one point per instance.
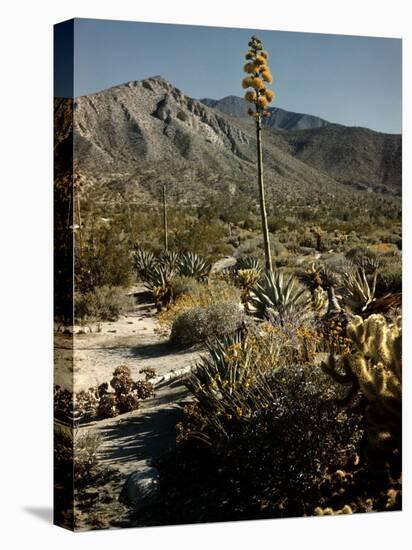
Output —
(351, 80)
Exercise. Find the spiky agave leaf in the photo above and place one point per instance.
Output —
(159, 275)
(248, 262)
(279, 294)
(192, 265)
(169, 258)
(143, 261)
(361, 288)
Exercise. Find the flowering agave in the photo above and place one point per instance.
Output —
(257, 76)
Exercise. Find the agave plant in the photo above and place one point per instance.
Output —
(361, 288)
(248, 262)
(159, 281)
(143, 262)
(170, 259)
(192, 265)
(279, 295)
(230, 382)
(215, 368)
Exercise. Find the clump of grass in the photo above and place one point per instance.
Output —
(104, 303)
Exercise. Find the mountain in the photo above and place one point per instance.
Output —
(278, 118)
(134, 137)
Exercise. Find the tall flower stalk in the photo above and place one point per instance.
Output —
(257, 75)
(165, 224)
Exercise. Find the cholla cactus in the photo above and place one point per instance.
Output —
(320, 301)
(377, 362)
(247, 279)
(375, 369)
(314, 275)
(258, 74)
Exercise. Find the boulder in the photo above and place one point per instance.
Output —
(141, 488)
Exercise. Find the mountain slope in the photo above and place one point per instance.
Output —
(354, 156)
(134, 137)
(278, 118)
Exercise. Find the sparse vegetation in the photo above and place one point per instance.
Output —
(288, 296)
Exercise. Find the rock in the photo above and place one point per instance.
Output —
(141, 488)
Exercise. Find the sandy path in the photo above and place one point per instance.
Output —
(130, 440)
(135, 340)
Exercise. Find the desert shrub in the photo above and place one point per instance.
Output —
(249, 247)
(389, 278)
(190, 294)
(85, 449)
(99, 402)
(63, 403)
(275, 223)
(393, 239)
(182, 285)
(332, 336)
(252, 223)
(358, 254)
(277, 248)
(107, 407)
(129, 392)
(104, 260)
(275, 461)
(202, 323)
(233, 379)
(198, 235)
(85, 403)
(103, 304)
(76, 451)
(309, 240)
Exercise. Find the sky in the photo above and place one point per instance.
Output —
(351, 80)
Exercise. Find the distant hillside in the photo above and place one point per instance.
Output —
(279, 118)
(138, 135)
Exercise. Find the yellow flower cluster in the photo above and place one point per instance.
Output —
(258, 73)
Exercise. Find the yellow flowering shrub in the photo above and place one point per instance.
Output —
(199, 295)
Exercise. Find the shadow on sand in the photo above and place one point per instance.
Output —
(145, 435)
